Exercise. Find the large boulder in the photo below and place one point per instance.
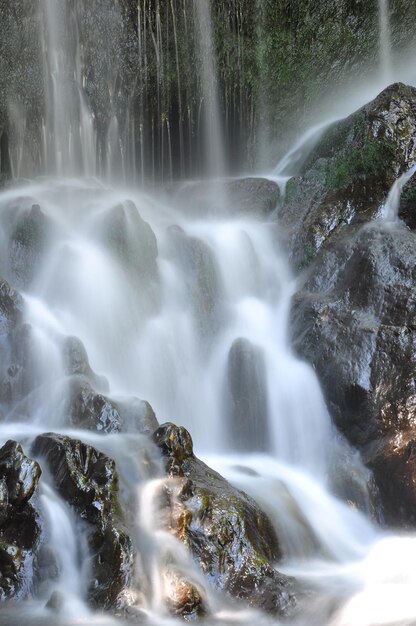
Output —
(84, 407)
(19, 522)
(348, 175)
(228, 535)
(354, 319)
(87, 479)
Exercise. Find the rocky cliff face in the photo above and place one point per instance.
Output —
(354, 315)
(148, 83)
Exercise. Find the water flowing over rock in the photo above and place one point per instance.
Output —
(248, 422)
(354, 319)
(254, 197)
(227, 533)
(87, 479)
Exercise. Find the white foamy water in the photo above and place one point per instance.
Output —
(212, 313)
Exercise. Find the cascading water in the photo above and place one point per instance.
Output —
(69, 135)
(390, 210)
(191, 313)
(385, 40)
(215, 162)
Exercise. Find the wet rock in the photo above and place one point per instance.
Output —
(182, 597)
(11, 310)
(19, 523)
(89, 409)
(137, 415)
(112, 565)
(355, 320)
(407, 207)
(84, 477)
(201, 277)
(87, 479)
(253, 196)
(349, 174)
(228, 535)
(246, 196)
(131, 239)
(27, 243)
(20, 474)
(11, 307)
(76, 362)
(24, 367)
(248, 423)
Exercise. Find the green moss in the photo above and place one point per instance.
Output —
(309, 254)
(365, 162)
(291, 190)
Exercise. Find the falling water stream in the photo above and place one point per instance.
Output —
(175, 316)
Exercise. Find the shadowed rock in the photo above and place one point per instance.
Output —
(355, 321)
(87, 479)
(19, 523)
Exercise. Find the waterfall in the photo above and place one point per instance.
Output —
(390, 210)
(180, 298)
(385, 41)
(214, 152)
(69, 126)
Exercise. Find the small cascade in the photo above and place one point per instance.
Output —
(385, 41)
(390, 210)
(68, 549)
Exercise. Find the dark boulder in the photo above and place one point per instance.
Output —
(20, 473)
(19, 522)
(348, 175)
(354, 319)
(228, 535)
(247, 397)
(251, 196)
(87, 479)
(84, 407)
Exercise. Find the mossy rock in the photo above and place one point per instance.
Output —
(348, 175)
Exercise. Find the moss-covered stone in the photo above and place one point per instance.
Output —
(347, 176)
